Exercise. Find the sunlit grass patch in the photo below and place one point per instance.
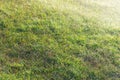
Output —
(57, 40)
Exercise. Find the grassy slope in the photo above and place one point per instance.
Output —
(57, 40)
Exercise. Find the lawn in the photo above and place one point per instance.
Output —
(59, 40)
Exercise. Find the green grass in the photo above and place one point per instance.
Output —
(57, 40)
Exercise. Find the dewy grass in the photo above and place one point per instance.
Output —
(57, 40)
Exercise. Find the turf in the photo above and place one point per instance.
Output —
(58, 40)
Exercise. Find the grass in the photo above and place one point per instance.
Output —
(57, 40)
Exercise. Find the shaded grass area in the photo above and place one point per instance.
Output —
(42, 41)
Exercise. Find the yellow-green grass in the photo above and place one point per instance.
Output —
(57, 40)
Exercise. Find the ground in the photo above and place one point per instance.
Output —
(59, 40)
